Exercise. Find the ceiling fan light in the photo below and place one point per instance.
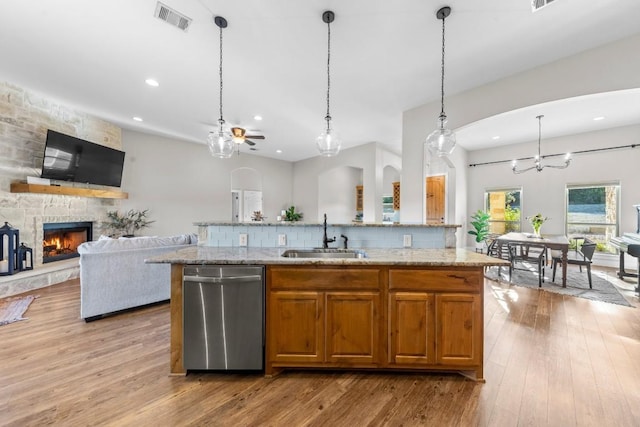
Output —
(238, 135)
(329, 143)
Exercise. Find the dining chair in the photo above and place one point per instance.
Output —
(634, 250)
(534, 253)
(498, 249)
(582, 257)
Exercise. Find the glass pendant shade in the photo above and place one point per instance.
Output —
(441, 141)
(328, 143)
(220, 142)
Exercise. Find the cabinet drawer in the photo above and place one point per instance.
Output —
(468, 280)
(320, 278)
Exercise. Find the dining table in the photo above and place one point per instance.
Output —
(552, 241)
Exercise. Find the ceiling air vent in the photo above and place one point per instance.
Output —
(539, 4)
(172, 17)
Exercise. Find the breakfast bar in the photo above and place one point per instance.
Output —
(390, 309)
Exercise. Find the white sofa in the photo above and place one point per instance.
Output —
(114, 276)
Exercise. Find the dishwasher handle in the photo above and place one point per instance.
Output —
(225, 279)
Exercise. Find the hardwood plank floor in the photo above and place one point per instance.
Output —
(550, 360)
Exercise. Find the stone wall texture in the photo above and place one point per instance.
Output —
(25, 117)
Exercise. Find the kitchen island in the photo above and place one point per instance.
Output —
(395, 309)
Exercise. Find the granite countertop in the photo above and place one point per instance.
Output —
(420, 257)
(319, 224)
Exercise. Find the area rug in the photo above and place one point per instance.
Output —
(12, 309)
(577, 283)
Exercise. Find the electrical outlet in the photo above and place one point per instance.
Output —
(243, 240)
(406, 241)
(282, 240)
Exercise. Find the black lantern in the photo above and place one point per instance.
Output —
(25, 258)
(9, 238)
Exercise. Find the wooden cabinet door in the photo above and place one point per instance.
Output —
(411, 328)
(296, 322)
(353, 327)
(459, 329)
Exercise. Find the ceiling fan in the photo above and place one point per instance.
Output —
(240, 136)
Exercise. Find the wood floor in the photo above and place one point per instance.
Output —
(549, 361)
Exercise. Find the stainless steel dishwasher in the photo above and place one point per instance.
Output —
(223, 317)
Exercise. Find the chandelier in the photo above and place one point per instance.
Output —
(442, 141)
(538, 158)
(220, 141)
(328, 142)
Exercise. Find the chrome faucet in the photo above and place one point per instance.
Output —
(325, 239)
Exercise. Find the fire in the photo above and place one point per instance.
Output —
(53, 242)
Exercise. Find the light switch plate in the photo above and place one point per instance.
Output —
(282, 240)
(243, 239)
(406, 241)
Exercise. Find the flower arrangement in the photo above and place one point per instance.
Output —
(536, 222)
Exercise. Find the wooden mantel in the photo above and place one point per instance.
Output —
(21, 187)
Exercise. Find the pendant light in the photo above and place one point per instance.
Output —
(220, 141)
(328, 142)
(538, 158)
(442, 141)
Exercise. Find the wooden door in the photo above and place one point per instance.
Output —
(459, 329)
(296, 327)
(353, 327)
(435, 188)
(412, 330)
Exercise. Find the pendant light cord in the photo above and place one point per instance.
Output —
(442, 115)
(328, 116)
(221, 120)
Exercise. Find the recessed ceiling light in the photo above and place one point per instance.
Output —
(256, 117)
(137, 119)
(598, 118)
(278, 151)
(152, 82)
(496, 137)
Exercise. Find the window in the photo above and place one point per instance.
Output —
(592, 212)
(504, 207)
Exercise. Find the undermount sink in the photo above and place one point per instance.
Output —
(324, 253)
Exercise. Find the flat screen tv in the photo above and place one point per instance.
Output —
(67, 158)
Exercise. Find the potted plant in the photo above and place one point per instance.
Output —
(291, 214)
(480, 223)
(128, 223)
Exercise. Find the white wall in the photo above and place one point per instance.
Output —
(615, 66)
(181, 183)
(371, 158)
(338, 204)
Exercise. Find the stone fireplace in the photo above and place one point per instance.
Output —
(61, 240)
(26, 117)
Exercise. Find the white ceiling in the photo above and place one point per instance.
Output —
(385, 59)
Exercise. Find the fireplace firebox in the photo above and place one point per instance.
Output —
(61, 239)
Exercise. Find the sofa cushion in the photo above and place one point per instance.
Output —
(132, 243)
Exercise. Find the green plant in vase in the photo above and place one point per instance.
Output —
(128, 223)
(480, 224)
(291, 214)
(536, 222)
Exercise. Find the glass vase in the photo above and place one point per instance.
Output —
(536, 230)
